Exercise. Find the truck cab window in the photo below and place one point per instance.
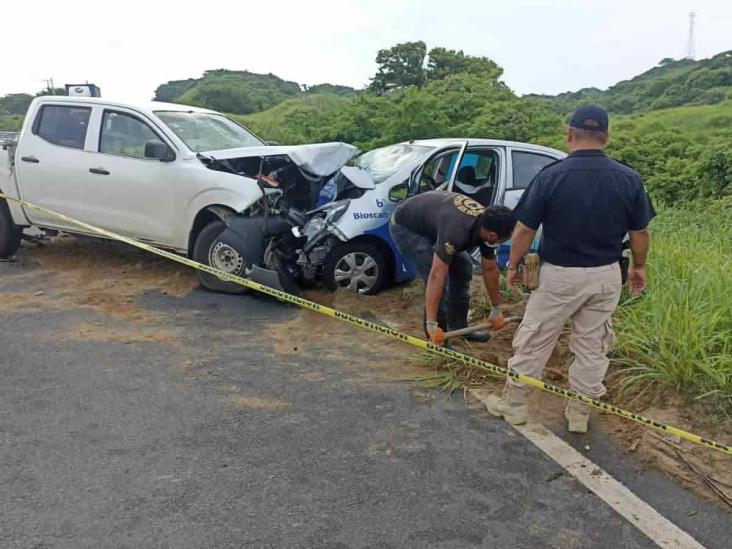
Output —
(124, 135)
(62, 125)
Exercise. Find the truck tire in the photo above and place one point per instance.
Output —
(358, 266)
(209, 251)
(10, 233)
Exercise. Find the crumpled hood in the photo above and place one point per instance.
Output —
(320, 159)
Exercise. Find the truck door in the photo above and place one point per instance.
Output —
(52, 160)
(126, 190)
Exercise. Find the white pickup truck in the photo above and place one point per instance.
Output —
(165, 174)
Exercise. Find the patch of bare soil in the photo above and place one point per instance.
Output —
(105, 276)
(369, 356)
(21, 301)
(96, 332)
(257, 403)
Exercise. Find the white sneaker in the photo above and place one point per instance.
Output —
(515, 413)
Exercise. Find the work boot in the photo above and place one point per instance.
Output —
(511, 406)
(578, 415)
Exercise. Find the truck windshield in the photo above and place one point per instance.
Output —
(385, 162)
(202, 131)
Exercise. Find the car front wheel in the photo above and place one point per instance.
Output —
(357, 266)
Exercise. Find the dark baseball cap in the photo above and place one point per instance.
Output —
(589, 117)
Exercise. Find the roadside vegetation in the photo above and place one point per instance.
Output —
(672, 123)
(679, 333)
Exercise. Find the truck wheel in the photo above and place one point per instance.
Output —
(10, 233)
(358, 266)
(209, 251)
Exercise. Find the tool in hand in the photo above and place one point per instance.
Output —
(478, 327)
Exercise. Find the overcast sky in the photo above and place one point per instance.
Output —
(130, 47)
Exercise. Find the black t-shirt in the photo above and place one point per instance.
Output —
(586, 204)
(452, 220)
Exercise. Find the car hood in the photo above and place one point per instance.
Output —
(320, 159)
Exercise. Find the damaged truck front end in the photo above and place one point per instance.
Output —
(283, 239)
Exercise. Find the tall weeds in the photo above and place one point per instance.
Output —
(679, 333)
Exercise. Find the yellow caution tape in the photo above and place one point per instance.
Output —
(385, 330)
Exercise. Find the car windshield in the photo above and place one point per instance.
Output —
(202, 131)
(385, 162)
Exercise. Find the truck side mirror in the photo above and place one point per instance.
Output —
(157, 149)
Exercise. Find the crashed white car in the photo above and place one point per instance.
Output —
(166, 174)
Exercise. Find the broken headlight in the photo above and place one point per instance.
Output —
(335, 210)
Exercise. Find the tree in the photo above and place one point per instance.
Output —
(15, 103)
(443, 62)
(399, 67)
(171, 90)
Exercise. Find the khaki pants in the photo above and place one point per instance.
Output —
(586, 295)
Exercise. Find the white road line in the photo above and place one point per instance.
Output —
(658, 528)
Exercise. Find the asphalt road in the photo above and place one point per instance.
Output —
(193, 428)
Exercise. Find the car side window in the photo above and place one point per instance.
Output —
(62, 125)
(525, 167)
(124, 135)
(477, 175)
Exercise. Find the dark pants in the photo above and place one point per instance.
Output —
(419, 250)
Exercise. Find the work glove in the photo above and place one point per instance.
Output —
(496, 319)
(437, 334)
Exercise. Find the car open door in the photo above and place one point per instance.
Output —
(480, 173)
(438, 170)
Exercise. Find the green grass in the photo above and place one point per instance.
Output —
(679, 333)
(11, 122)
(697, 122)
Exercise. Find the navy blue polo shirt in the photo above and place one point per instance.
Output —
(586, 203)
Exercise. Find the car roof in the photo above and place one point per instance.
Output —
(458, 141)
(145, 106)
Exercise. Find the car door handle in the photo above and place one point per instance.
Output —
(31, 159)
(100, 171)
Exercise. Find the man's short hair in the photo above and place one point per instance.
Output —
(498, 219)
(589, 135)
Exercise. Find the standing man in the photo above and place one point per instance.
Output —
(436, 230)
(586, 203)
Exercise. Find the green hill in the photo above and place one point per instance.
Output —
(298, 120)
(239, 92)
(672, 83)
(699, 122)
